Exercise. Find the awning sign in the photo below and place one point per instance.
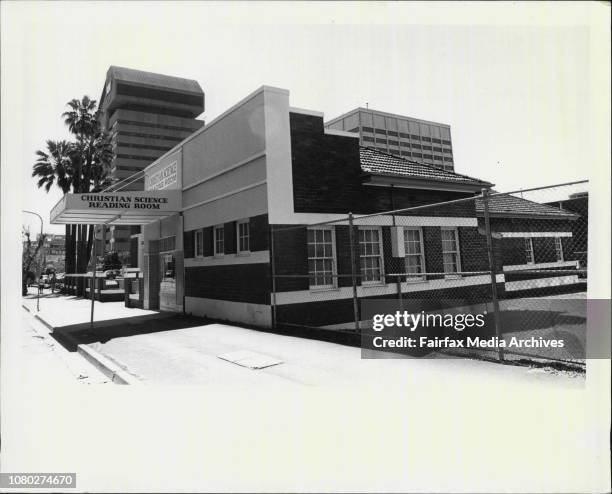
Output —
(116, 208)
(164, 178)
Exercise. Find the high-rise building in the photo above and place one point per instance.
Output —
(411, 138)
(146, 114)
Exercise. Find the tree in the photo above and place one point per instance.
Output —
(29, 258)
(56, 166)
(78, 166)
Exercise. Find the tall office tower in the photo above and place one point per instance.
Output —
(410, 138)
(146, 114)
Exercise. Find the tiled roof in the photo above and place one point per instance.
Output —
(152, 79)
(379, 163)
(509, 205)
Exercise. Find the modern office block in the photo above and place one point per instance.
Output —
(411, 138)
(146, 114)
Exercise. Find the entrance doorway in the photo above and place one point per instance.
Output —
(169, 275)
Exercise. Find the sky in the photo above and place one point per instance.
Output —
(522, 85)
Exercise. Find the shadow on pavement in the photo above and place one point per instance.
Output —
(34, 296)
(71, 336)
(517, 321)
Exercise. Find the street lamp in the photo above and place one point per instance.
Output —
(41, 237)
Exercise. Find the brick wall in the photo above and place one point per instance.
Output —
(473, 248)
(323, 313)
(327, 177)
(573, 248)
(244, 282)
(291, 255)
(237, 283)
(528, 225)
(258, 241)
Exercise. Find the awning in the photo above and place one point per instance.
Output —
(116, 208)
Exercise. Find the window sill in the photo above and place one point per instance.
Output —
(372, 284)
(244, 253)
(420, 280)
(317, 289)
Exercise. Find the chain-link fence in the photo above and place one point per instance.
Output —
(519, 258)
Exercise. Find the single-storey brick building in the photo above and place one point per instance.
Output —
(264, 170)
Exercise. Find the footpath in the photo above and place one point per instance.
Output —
(133, 346)
(64, 316)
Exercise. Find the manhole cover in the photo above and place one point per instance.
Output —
(249, 359)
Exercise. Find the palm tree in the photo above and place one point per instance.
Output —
(80, 166)
(82, 119)
(56, 166)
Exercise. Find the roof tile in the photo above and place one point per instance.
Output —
(379, 163)
(507, 204)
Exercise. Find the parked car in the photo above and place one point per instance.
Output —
(46, 282)
(111, 274)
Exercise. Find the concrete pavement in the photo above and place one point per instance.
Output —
(61, 310)
(158, 349)
(43, 359)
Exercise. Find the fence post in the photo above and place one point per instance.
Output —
(492, 270)
(273, 274)
(353, 273)
(398, 281)
(93, 295)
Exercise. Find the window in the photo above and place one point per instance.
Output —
(414, 136)
(428, 156)
(381, 131)
(219, 237)
(436, 140)
(445, 142)
(168, 270)
(370, 252)
(368, 129)
(559, 248)
(392, 133)
(426, 139)
(529, 251)
(382, 142)
(321, 257)
(167, 243)
(368, 139)
(417, 155)
(415, 254)
(243, 236)
(199, 243)
(450, 251)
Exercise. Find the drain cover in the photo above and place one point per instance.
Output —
(249, 359)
